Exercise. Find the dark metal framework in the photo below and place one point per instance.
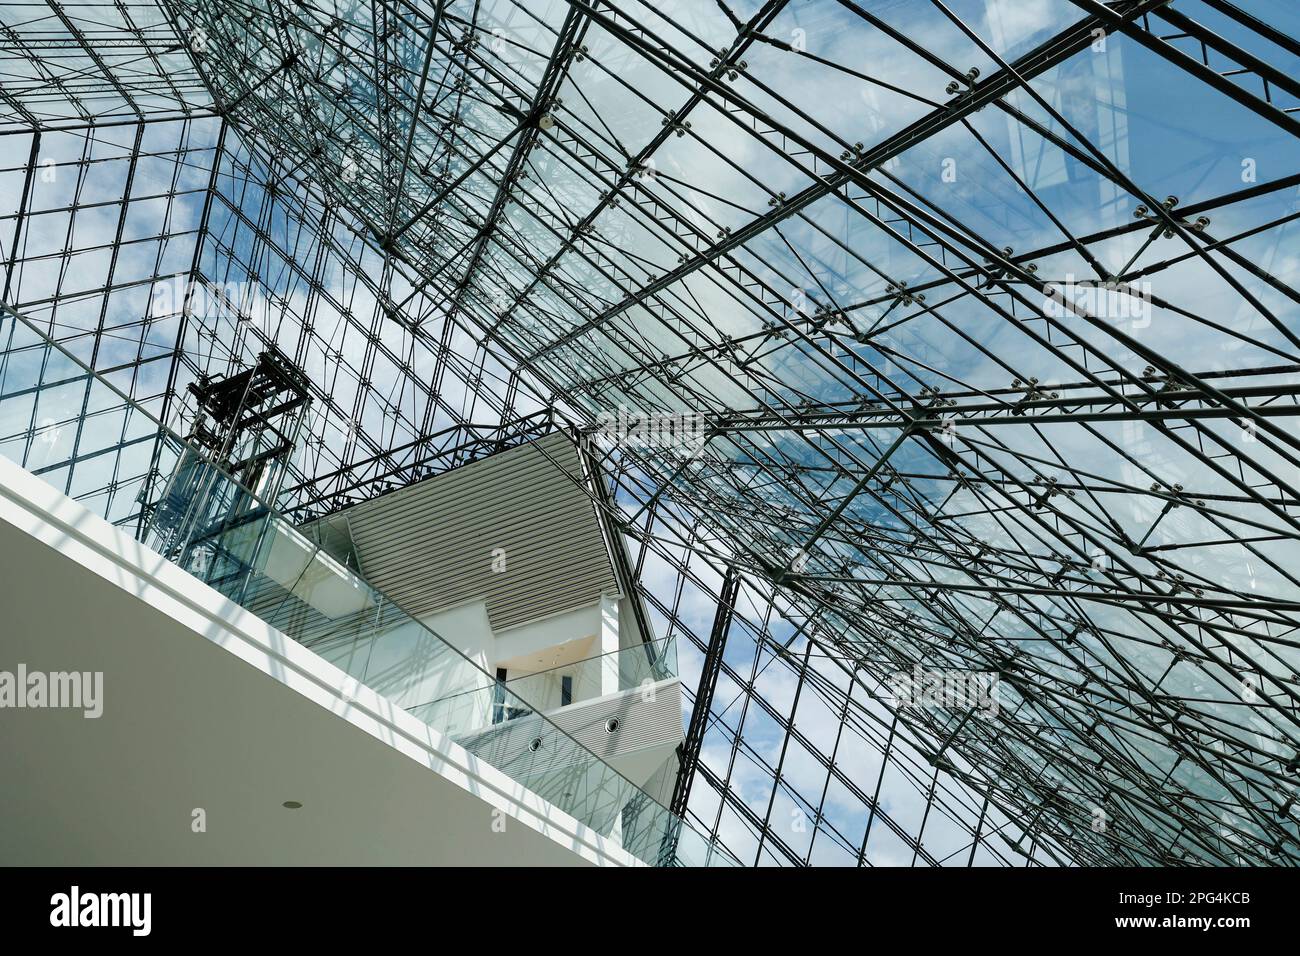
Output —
(984, 310)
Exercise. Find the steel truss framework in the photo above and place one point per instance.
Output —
(984, 310)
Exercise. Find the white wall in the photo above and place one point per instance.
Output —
(535, 636)
(454, 695)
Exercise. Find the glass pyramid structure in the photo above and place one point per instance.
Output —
(970, 330)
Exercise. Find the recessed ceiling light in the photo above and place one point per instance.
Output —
(291, 805)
